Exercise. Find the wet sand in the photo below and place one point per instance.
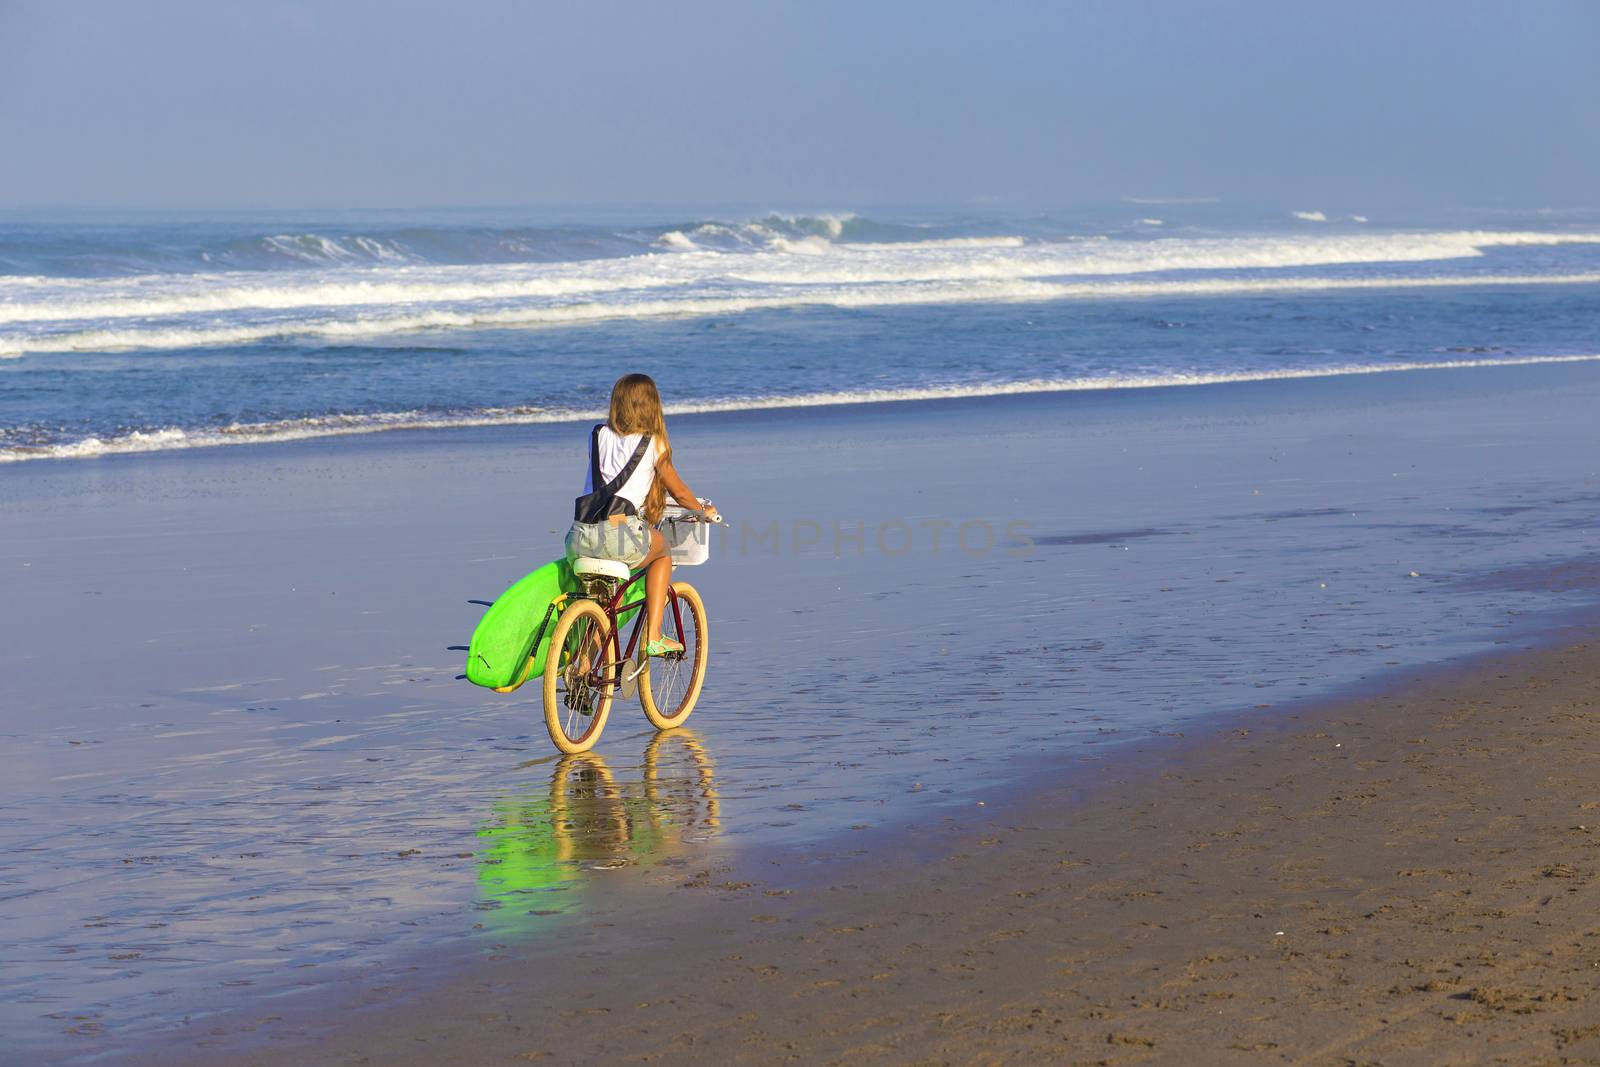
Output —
(1405, 878)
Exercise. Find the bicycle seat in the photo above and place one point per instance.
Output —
(590, 567)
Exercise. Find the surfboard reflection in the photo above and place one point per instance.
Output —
(538, 849)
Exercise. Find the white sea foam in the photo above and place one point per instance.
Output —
(162, 296)
(1309, 216)
(246, 300)
(1007, 241)
(832, 225)
(676, 241)
(883, 295)
(715, 229)
(316, 248)
(810, 245)
(340, 425)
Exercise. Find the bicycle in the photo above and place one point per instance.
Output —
(586, 664)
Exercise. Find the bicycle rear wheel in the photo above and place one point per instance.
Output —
(580, 677)
(670, 687)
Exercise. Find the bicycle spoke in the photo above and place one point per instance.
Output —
(671, 683)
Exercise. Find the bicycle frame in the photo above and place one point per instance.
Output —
(614, 608)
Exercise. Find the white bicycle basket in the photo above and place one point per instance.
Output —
(688, 536)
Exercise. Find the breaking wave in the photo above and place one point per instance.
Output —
(702, 302)
(133, 248)
(684, 274)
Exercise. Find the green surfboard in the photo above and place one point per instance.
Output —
(502, 654)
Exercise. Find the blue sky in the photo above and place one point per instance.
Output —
(812, 104)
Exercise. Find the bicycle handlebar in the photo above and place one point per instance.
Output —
(700, 515)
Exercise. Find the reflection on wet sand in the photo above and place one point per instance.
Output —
(538, 847)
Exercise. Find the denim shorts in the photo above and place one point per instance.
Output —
(627, 541)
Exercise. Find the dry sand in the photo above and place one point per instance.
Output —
(1403, 878)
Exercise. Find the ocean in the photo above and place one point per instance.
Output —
(130, 332)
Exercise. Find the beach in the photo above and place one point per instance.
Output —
(1400, 879)
(959, 647)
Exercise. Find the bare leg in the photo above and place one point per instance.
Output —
(657, 577)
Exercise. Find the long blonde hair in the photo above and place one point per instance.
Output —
(636, 408)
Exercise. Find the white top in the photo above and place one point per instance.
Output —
(615, 451)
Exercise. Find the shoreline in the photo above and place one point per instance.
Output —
(162, 441)
(1175, 909)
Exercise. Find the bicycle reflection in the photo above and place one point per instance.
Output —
(536, 851)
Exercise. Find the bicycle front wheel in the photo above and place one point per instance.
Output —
(580, 677)
(669, 688)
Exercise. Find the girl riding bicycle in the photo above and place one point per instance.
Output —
(624, 496)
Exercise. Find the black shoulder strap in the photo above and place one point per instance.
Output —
(627, 471)
(594, 458)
